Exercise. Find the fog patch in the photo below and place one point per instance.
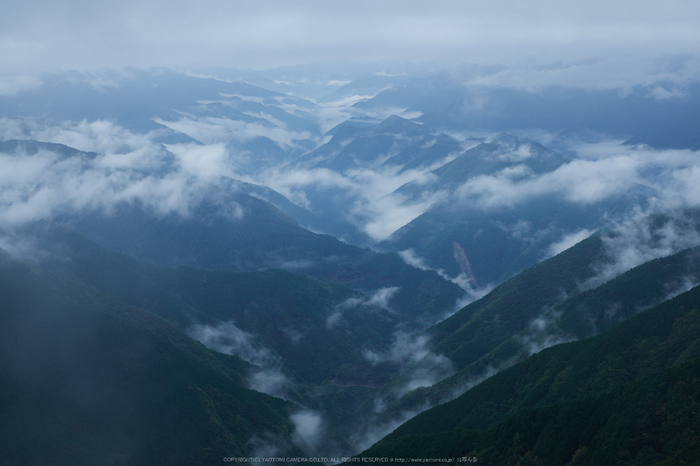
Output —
(579, 181)
(473, 381)
(376, 299)
(269, 381)
(22, 247)
(308, 426)
(686, 284)
(228, 339)
(418, 366)
(126, 168)
(374, 207)
(294, 335)
(473, 294)
(215, 130)
(543, 332)
(640, 240)
(205, 162)
(225, 337)
(294, 265)
(381, 297)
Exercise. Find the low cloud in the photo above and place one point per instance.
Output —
(229, 339)
(622, 73)
(202, 162)
(543, 332)
(418, 366)
(641, 239)
(374, 207)
(125, 167)
(226, 338)
(404, 348)
(309, 431)
(379, 298)
(268, 445)
(603, 170)
(269, 381)
(213, 130)
(579, 181)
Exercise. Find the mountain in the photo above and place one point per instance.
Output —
(165, 258)
(285, 314)
(646, 422)
(88, 379)
(657, 114)
(32, 147)
(489, 224)
(678, 132)
(630, 382)
(175, 108)
(229, 230)
(393, 142)
(571, 296)
(308, 340)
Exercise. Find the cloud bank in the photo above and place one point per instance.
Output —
(40, 34)
(127, 167)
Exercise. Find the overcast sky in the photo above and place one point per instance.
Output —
(45, 35)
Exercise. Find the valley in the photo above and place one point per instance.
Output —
(195, 268)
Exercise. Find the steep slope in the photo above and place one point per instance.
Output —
(86, 379)
(650, 343)
(547, 305)
(651, 421)
(508, 309)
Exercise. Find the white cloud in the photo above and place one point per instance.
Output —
(603, 170)
(374, 207)
(378, 298)
(419, 367)
(639, 240)
(542, 333)
(372, 433)
(308, 429)
(229, 339)
(381, 297)
(269, 381)
(213, 130)
(39, 34)
(205, 162)
(579, 181)
(125, 167)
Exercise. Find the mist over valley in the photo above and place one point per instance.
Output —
(241, 243)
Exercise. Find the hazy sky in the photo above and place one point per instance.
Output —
(43, 35)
